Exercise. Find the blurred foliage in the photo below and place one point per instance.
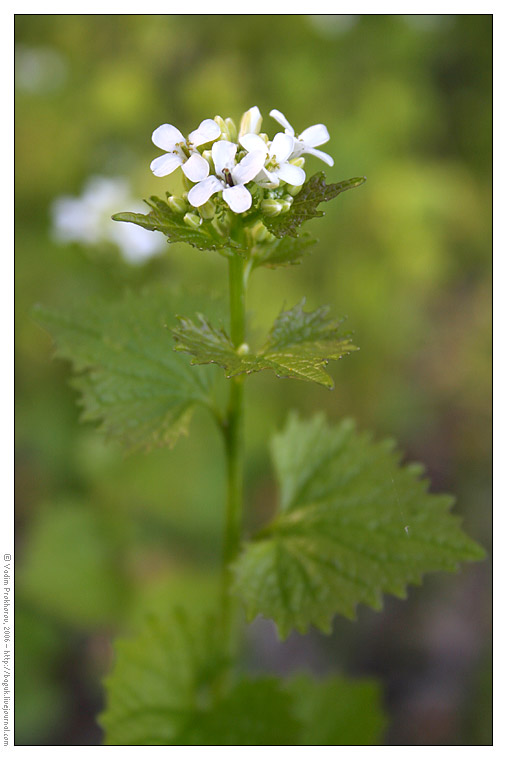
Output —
(103, 539)
(167, 677)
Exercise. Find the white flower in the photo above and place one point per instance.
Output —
(307, 141)
(230, 178)
(276, 160)
(182, 152)
(87, 219)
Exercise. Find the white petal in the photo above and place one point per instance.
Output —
(207, 131)
(237, 198)
(223, 153)
(253, 142)
(166, 137)
(203, 191)
(196, 168)
(320, 154)
(316, 135)
(248, 167)
(280, 118)
(294, 175)
(166, 164)
(282, 146)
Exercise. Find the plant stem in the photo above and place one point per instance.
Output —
(233, 436)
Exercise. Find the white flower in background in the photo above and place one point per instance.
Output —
(230, 177)
(308, 140)
(182, 151)
(250, 122)
(87, 219)
(276, 160)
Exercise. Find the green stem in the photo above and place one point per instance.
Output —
(233, 436)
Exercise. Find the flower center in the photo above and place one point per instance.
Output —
(272, 164)
(183, 149)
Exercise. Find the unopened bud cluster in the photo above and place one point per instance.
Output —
(240, 169)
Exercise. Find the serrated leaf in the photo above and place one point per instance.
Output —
(352, 525)
(161, 680)
(281, 252)
(163, 219)
(299, 345)
(163, 691)
(338, 712)
(305, 205)
(131, 380)
(167, 688)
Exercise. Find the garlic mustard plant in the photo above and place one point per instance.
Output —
(351, 524)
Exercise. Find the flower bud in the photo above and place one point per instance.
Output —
(224, 129)
(209, 158)
(298, 162)
(232, 129)
(260, 234)
(285, 206)
(270, 207)
(207, 210)
(192, 220)
(176, 204)
(293, 189)
(221, 123)
(250, 122)
(222, 224)
(243, 349)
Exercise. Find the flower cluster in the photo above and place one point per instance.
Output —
(243, 166)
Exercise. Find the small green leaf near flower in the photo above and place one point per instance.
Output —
(163, 219)
(306, 204)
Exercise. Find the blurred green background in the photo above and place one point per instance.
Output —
(103, 538)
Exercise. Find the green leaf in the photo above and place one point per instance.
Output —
(337, 711)
(162, 680)
(352, 524)
(255, 712)
(299, 345)
(167, 687)
(163, 219)
(281, 252)
(130, 380)
(306, 203)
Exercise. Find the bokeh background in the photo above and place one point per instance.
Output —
(102, 539)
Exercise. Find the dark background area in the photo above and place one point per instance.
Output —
(101, 538)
